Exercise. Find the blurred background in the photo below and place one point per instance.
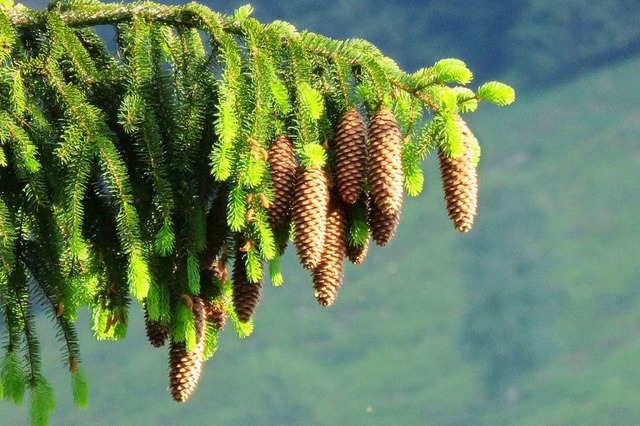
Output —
(531, 319)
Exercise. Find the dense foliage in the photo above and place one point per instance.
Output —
(141, 175)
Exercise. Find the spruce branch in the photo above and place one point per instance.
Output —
(138, 174)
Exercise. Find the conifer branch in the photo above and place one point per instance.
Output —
(136, 174)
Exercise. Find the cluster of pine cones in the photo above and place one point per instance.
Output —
(364, 178)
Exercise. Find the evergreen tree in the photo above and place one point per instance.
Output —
(140, 177)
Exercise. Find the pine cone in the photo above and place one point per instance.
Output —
(310, 215)
(460, 182)
(185, 366)
(246, 295)
(157, 332)
(351, 156)
(385, 162)
(327, 276)
(216, 314)
(382, 227)
(282, 165)
(357, 254)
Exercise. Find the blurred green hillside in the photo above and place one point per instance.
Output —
(531, 319)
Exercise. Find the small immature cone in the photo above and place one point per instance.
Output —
(216, 314)
(219, 269)
(460, 182)
(246, 295)
(327, 276)
(185, 366)
(385, 162)
(357, 254)
(157, 332)
(310, 215)
(382, 226)
(283, 168)
(351, 156)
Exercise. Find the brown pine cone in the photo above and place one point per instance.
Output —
(185, 366)
(460, 181)
(157, 332)
(282, 165)
(246, 295)
(216, 314)
(382, 226)
(357, 254)
(310, 215)
(351, 156)
(327, 276)
(385, 162)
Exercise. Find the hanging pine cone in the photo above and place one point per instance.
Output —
(357, 254)
(216, 314)
(310, 215)
(460, 181)
(282, 165)
(351, 156)
(246, 295)
(327, 276)
(157, 332)
(219, 269)
(382, 226)
(185, 366)
(385, 162)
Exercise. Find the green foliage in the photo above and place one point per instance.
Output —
(452, 71)
(42, 403)
(210, 342)
(313, 155)
(13, 379)
(467, 100)
(497, 93)
(310, 100)
(184, 328)
(254, 264)
(413, 174)
(358, 232)
(7, 241)
(275, 273)
(110, 165)
(80, 388)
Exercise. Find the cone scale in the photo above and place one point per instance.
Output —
(357, 254)
(310, 215)
(246, 295)
(385, 162)
(383, 227)
(351, 156)
(282, 166)
(327, 276)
